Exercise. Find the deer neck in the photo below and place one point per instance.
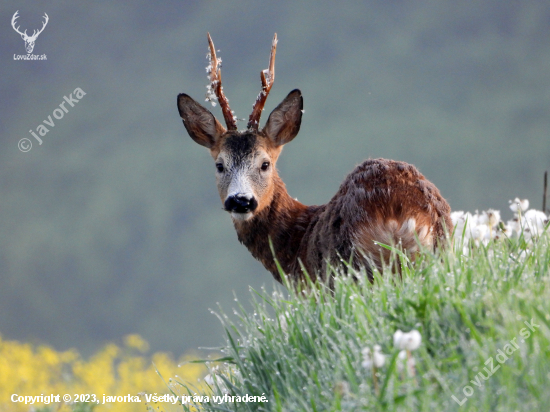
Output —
(283, 222)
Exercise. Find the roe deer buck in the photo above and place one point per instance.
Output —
(381, 200)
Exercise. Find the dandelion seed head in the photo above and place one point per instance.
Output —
(409, 341)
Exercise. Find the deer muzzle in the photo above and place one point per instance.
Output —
(240, 203)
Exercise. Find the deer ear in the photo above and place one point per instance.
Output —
(201, 125)
(284, 121)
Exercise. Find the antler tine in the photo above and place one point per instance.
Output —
(13, 23)
(37, 32)
(44, 24)
(216, 86)
(268, 77)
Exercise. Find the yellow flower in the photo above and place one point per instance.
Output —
(29, 370)
(136, 342)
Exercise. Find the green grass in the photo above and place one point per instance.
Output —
(467, 308)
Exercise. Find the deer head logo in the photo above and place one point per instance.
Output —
(29, 40)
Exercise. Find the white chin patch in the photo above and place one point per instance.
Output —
(241, 217)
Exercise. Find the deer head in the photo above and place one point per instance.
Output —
(29, 40)
(245, 160)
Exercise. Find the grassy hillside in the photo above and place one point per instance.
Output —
(484, 323)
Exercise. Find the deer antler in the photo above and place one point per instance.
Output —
(13, 19)
(215, 87)
(35, 33)
(268, 76)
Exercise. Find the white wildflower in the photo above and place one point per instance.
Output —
(485, 226)
(534, 220)
(493, 217)
(402, 355)
(513, 227)
(213, 379)
(503, 231)
(490, 218)
(405, 362)
(475, 218)
(483, 218)
(372, 362)
(480, 234)
(378, 357)
(408, 341)
(209, 380)
(283, 322)
(397, 337)
(367, 358)
(464, 224)
(518, 205)
(456, 216)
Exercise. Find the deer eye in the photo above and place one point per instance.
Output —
(219, 167)
(265, 166)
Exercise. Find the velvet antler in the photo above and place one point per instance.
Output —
(268, 76)
(215, 90)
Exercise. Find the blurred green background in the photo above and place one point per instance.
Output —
(113, 225)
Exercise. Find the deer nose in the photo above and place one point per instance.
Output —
(240, 203)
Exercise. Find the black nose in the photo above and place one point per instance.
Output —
(240, 204)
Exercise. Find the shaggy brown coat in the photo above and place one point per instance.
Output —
(380, 200)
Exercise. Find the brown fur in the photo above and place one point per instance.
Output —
(380, 200)
(374, 203)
